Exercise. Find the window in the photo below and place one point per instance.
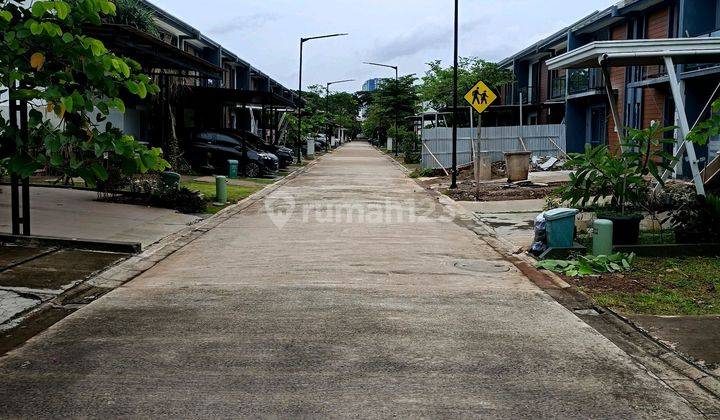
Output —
(633, 107)
(701, 17)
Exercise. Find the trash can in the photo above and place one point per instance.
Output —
(169, 180)
(233, 169)
(560, 227)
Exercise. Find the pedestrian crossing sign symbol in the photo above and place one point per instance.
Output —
(480, 97)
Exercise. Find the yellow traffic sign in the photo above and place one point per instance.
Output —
(480, 97)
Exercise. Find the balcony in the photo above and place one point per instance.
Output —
(513, 93)
(557, 87)
(715, 33)
(585, 81)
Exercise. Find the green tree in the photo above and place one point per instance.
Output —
(393, 100)
(71, 82)
(436, 88)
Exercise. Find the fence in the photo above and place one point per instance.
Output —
(498, 140)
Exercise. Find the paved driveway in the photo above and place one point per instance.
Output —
(77, 214)
(361, 305)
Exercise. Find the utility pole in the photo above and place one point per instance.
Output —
(397, 99)
(327, 105)
(453, 185)
(300, 90)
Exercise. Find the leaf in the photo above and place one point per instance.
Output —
(142, 90)
(68, 37)
(37, 61)
(132, 87)
(6, 15)
(63, 9)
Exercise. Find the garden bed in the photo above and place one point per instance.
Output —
(658, 286)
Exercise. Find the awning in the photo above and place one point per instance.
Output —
(648, 52)
(238, 97)
(151, 52)
(641, 52)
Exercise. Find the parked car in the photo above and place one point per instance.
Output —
(210, 150)
(284, 154)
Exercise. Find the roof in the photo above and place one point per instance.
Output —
(152, 52)
(238, 97)
(169, 19)
(642, 52)
(590, 23)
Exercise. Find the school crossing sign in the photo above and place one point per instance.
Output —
(480, 97)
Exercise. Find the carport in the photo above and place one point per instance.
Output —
(648, 52)
(269, 105)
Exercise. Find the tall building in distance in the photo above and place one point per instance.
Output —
(371, 85)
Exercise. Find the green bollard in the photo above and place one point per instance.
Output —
(602, 237)
(233, 169)
(221, 196)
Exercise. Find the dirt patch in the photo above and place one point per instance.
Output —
(497, 190)
(467, 191)
(56, 270)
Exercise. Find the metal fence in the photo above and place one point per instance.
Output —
(498, 140)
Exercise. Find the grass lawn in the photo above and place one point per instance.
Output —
(660, 286)
(235, 193)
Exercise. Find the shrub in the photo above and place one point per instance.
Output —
(621, 179)
(180, 199)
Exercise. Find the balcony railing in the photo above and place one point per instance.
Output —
(715, 33)
(585, 80)
(557, 87)
(514, 92)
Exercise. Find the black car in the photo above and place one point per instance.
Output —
(210, 150)
(284, 154)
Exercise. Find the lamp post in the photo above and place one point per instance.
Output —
(327, 104)
(300, 90)
(453, 185)
(396, 99)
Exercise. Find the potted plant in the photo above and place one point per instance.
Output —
(616, 184)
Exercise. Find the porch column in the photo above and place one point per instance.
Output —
(687, 146)
(613, 104)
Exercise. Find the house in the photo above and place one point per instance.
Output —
(203, 84)
(642, 93)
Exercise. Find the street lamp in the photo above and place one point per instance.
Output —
(453, 185)
(396, 100)
(327, 104)
(300, 90)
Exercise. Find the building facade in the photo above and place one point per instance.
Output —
(642, 93)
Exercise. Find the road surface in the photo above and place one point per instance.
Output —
(347, 292)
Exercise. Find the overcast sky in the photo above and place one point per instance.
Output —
(408, 33)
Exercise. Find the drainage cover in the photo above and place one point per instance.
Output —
(482, 266)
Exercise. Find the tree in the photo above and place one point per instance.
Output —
(394, 99)
(436, 88)
(70, 82)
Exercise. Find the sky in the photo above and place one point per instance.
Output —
(406, 33)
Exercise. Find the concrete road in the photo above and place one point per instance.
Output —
(381, 313)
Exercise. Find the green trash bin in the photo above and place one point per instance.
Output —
(560, 226)
(169, 180)
(233, 169)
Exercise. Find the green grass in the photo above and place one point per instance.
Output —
(235, 193)
(667, 286)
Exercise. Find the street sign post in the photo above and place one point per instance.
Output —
(480, 97)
